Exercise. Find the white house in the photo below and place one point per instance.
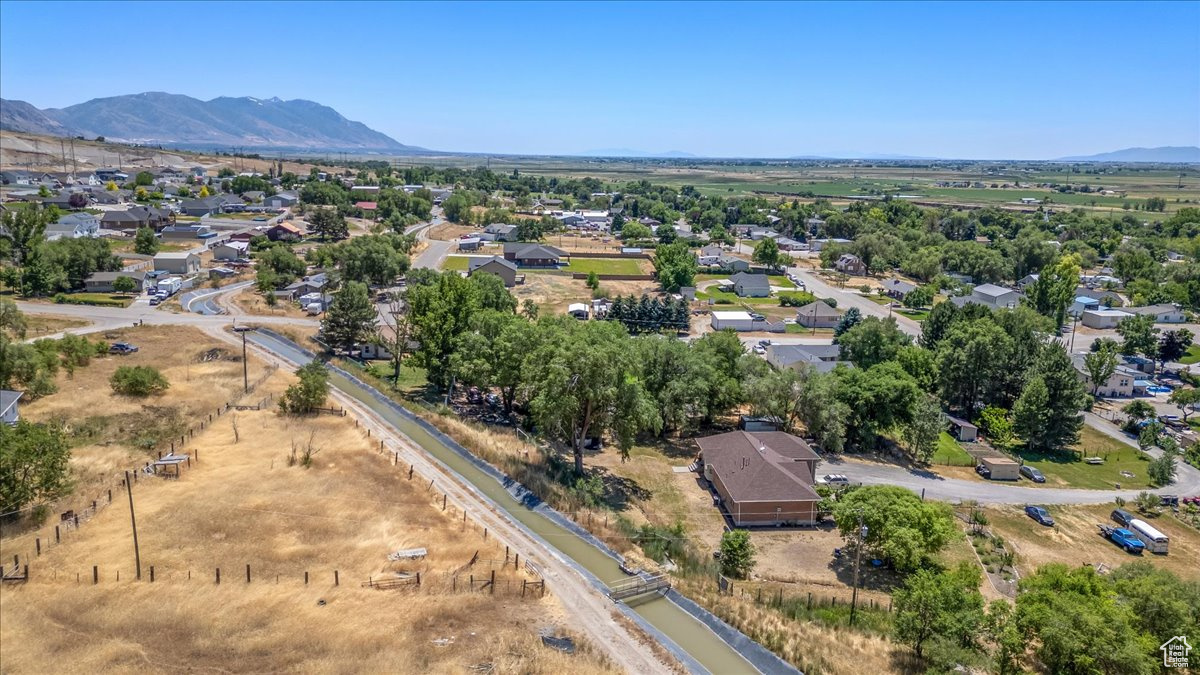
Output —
(1081, 304)
(9, 412)
(1164, 313)
(734, 320)
(1120, 384)
(1103, 318)
(74, 226)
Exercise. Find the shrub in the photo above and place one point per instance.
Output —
(138, 381)
(796, 298)
(737, 554)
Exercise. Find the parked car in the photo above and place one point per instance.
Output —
(758, 317)
(1123, 538)
(1121, 516)
(122, 348)
(759, 349)
(154, 300)
(1040, 514)
(982, 470)
(1032, 474)
(834, 479)
(766, 342)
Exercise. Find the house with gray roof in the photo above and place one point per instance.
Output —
(762, 478)
(534, 254)
(823, 358)
(747, 285)
(898, 288)
(505, 269)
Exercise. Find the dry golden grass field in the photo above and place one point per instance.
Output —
(245, 502)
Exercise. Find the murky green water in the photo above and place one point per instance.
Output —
(692, 636)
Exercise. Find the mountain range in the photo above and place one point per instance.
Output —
(156, 118)
(1167, 154)
(626, 152)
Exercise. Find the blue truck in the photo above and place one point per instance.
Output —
(1123, 538)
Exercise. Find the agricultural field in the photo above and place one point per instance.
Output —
(282, 497)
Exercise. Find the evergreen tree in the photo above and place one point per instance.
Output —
(351, 317)
(1047, 413)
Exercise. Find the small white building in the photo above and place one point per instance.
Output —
(1102, 319)
(733, 320)
(182, 262)
(578, 310)
(231, 250)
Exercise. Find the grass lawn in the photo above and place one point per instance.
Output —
(411, 378)
(914, 314)
(604, 266)
(797, 329)
(1068, 470)
(1191, 356)
(99, 299)
(455, 262)
(950, 453)
(732, 298)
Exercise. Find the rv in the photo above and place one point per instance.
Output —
(1155, 541)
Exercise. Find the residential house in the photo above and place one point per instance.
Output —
(500, 232)
(129, 219)
(369, 208)
(848, 263)
(760, 233)
(254, 195)
(789, 244)
(74, 226)
(1121, 384)
(990, 295)
(1103, 319)
(709, 255)
(306, 286)
(1106, 298)
(1163, 313)
(747, 285)
(10, 412)
(108, 197)
(649, 222)
(823, 358)
(470, 244)
(578, 310)
(818, 314)
(16, 178)
(182, 262)
(1028, 280)
(231, 250)
(505, 269)
(898, 288)
(102, 282)
(205, 206)
(762, 478)
(534, 255)
(732, 264)
(284, 231)
(61, 201)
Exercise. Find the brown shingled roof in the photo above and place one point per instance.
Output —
(760, 466)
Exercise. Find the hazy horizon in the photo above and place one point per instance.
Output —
(960, 81)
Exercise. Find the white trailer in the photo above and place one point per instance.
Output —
(169, 286)
(1155, 541)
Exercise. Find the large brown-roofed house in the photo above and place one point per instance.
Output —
(763, 478)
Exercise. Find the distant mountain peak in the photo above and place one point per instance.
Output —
(1167, 154)
(160, 118)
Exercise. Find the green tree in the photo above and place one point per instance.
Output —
(493, 354)
(1186, 400)
(900, 526)
(24, 230)
(996, 425)
(493, 294)
(879, 399)
(1138, 410)
(138, 381)
(1139, 335)
(1173, 345)
(1055, 287)
(327, 223)
(850, 319)
(588, 386)
(972, 358)
(373, 259)
(143, 178)
(309, 393)
(124, 285)
(145, 242)
(34, 462)
(593, 281)
(767, 253)
(935, 604)
(1161, 471)
(1047, 414)
(922, 296)
(737, 554)
(635, 231)
(1000, 627)
(922, 432)
(1078, 625)
(440, 312)
(351, 319)
(676, 266)
(872, 341)
(1100, 365)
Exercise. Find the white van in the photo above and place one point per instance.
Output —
(1155, 541)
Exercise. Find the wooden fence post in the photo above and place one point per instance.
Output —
(305, 578)
(492, 588)
(410, 470)
(247, 573)
(95, 574)
(38, 543)
(152, 574)
(335, 577)
(110, 496)
(218, 575)
(516, 560)
(57, 535)
(443, 501)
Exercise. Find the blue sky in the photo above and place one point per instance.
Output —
(963, 80)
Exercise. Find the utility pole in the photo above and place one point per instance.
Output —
(245, 363)
(862, 535)
(137, 553)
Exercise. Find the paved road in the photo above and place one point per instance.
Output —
(1187, 481)
(205, 301)
(436, 250)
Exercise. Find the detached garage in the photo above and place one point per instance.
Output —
(732, 320)
(1001, 468)
(1103, 318)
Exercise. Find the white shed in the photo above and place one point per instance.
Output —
(734, 320)
(1103, 318)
